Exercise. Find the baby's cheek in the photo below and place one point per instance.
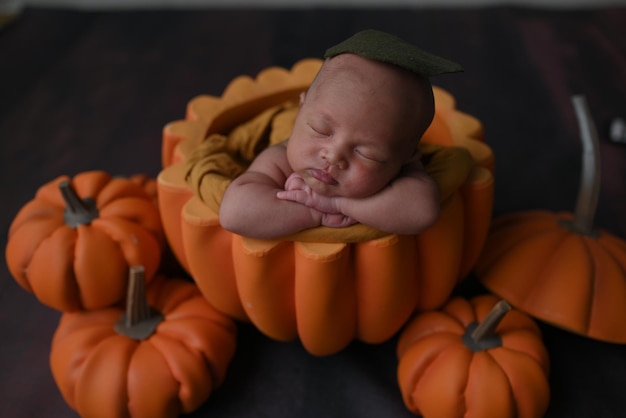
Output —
(366, 182)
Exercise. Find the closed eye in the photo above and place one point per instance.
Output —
(319, 132)
(368, 157)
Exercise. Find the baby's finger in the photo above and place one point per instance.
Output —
(293, 195)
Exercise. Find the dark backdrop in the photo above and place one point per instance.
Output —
(92, 90)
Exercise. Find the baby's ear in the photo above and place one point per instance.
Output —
(302, 96)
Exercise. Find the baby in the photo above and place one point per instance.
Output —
(352, 155)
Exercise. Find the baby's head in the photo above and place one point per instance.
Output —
(361, 119)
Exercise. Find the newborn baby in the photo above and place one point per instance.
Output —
(352, 155)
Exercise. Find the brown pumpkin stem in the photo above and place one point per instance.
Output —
(139, 321)
(77, 211)
(481, 336)
(589, 190)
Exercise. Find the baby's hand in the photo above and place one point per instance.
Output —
(297, 190)
(295, 182)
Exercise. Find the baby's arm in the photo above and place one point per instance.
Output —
(408, 205)
(250, 206)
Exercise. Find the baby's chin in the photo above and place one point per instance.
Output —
(323, 189)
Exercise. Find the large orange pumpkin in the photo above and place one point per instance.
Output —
(73, 243)
(324, 286)
(556, 266)
(160, 358)
(474, 358)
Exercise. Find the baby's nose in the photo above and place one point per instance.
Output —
(336, 157)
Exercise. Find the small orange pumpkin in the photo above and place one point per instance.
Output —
(73, 243)
(474, 358)
(160, 359)
(556, 266)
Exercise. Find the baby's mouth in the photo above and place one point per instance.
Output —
(323, 177)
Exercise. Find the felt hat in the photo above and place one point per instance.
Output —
(384, 47)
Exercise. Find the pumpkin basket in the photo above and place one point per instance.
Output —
(324, 286)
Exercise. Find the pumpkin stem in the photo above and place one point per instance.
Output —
(481, 336)
(77, 211)
(589, 190)
(139, 321)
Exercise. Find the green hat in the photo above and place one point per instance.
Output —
(384, 47)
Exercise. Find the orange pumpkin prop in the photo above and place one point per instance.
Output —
(148, 184)
(73, 243)
(317, 286)
(474, 358)
(161, 359)
(556, 266)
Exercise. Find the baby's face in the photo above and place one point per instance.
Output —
(358, 124)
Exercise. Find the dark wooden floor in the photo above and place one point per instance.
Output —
(81, 91)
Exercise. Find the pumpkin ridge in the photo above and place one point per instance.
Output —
(88, 183)
(186, 384)
(504, 240)
(540, 291)
(59, 246)
(168, 328)
(173, 298)
(614, 247)
(420, 327)
(48, 193)
(19, 252)
(134, 209)
(508, 328)
(477, 367)
(113, 188)
(77, 339)
(97, 278)
(533, 289)
(204, 319)
(36, 210)
(532, 348)
(188, 304)
(452, 350)
(174, 331)
(505, 257)
(538, 384)
(149, 385)
(459, 310)
(209, 317)
(80, 338)
(136, 244)
(506, 373)
(89, 367)
(432, 347)
(606, 261)
(86, 321)
(153, 342)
